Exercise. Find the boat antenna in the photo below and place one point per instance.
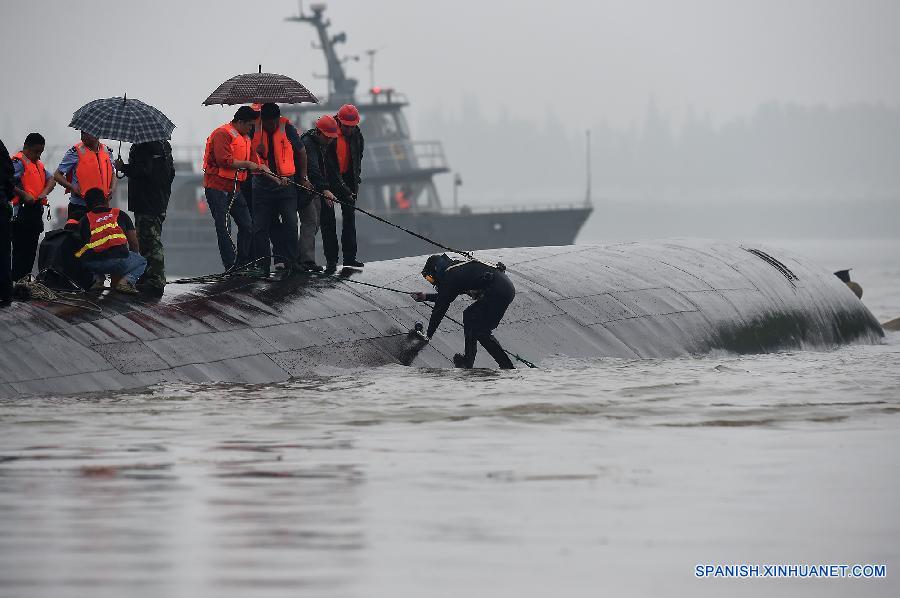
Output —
(371, 54)
(587, 194)
(344, 87)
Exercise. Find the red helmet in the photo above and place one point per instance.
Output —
(348, 115)
(327, 126)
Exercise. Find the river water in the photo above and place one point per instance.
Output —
(577, 479)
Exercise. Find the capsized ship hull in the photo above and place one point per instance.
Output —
(631, 300)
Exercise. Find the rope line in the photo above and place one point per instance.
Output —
(353, 205)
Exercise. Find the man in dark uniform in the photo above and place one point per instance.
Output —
(344, 173)
(7, 191)
(315, 142)
(492, 291)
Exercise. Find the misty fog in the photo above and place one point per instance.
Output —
(707, 118)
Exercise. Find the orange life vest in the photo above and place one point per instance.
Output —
(94, 169)
(284, 151)
(33, 178)
(105, 232)
(343, 153)
(240, 150)
(402, 201)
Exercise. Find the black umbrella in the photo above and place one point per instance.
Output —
(123, 120)
(259, 88)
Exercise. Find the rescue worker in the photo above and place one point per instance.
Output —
(87, 165)
(277, 143)
(492, 291)
(110, 245)
(33, 184)
(345, 167)
(226, 160)
(316, 142)
(6, 192)
(150, 171)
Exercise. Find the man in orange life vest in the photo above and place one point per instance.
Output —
(33, 184)
(110, 245)
(277, 143)
(344, 169)
(227, 159)
(87, 165)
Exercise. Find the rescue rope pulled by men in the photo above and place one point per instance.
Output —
(353, 205)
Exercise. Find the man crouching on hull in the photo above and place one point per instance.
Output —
(492, 291)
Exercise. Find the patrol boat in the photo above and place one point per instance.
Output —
(397, 184)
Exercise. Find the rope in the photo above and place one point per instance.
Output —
(353, 205)
(31, 289)
(430, 306)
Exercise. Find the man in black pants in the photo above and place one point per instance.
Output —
(6, 193)
(492, 291)
(274, 200)
(32, 185)
(344, 175)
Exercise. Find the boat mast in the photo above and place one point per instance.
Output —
(587, 195)
(344, 87)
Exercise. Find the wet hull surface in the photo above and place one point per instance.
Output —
(664, 299)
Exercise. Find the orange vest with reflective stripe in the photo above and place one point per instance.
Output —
(105, 232)
(33, 178)
(284, 151)
(240, 150)
(94, 169)
(343, 153)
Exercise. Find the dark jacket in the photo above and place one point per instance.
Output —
(150, 171)
(7, 174)
(349, 183)
(455, 278)
(316, 162)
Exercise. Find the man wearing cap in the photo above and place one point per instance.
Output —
(227, 159)
(87, 165)
(345, 167)
(274, 200)
(316, 142)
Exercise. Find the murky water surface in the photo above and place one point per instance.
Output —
(578, 479)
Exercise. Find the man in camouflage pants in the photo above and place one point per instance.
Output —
(150, 171)
(149, 233)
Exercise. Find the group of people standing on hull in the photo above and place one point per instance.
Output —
(266, 177)
(290, 179)
(107, 241)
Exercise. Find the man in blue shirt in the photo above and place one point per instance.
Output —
(67, 174)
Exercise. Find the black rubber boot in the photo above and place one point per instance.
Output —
(491, 345)
(460, 361)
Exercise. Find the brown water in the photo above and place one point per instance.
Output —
(575, 479)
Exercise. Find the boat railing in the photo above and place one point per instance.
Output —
(396, 157)
(505, 209)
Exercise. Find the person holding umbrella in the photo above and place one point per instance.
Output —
(89, 165)
(277, 143)
(86, 165)
(150, 171)
(251, 88)
(227, 159)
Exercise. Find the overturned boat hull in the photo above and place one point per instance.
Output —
(630, 300)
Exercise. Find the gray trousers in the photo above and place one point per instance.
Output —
(309, 225)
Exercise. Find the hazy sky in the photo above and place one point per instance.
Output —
(589, 62)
